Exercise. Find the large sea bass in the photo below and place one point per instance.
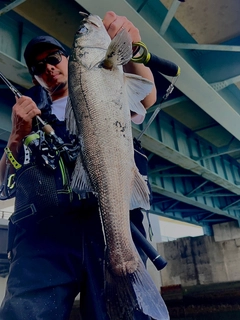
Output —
(101, 96)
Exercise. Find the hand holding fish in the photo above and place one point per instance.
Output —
(114, 23)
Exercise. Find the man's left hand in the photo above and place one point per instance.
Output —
(114, 23)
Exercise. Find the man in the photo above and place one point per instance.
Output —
(55, 238)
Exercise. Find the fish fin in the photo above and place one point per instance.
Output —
(137, 89)
(133, 292)
(70, 118)
(80, 180)
(119, 51)
(140, 193)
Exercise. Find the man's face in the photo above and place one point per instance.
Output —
(54, 78)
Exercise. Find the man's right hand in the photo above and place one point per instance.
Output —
(24, 110)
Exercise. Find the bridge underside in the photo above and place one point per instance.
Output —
(193, 144)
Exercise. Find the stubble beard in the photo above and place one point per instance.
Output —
(58, 88)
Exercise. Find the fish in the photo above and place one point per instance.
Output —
(101, 99)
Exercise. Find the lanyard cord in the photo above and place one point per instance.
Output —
(166, 67)
(168, 92)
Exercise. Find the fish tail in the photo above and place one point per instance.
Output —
(133, 292)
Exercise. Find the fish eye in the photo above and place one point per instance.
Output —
(82, 30)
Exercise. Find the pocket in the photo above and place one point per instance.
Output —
(25, 212)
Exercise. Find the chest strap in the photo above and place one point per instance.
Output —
(11, 158)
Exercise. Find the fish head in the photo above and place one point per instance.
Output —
(90, 43)
(91, 33)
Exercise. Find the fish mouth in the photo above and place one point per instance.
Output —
(84, 14)
(90, 18)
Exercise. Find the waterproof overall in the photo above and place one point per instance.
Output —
(57, 252)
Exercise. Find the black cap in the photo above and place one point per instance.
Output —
(38, 45)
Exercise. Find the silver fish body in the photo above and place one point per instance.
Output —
(101, 96)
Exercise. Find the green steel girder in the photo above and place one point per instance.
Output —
(189, 185)
(9, 5)
(172, 141)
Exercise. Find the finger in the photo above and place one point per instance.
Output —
(20, 101)
(32, 114)
(132, 31)
(26, 109)
(115, 24)
(109, 17)
(26, 103)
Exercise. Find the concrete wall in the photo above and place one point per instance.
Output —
(3, 282)
(200, 260)
(226, 231)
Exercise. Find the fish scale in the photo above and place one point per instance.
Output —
(98, 111)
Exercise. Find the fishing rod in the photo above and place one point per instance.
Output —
(48, 151)
(18, 94)
(150, 251)
(46, 127)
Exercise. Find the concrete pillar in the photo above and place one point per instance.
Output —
(3, 282)
(226, 231)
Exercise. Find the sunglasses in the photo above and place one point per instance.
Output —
(53, 58)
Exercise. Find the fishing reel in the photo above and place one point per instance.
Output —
(46, 149)
(68, 151)
(41, 150)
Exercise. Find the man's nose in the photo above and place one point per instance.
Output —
(49, 67)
